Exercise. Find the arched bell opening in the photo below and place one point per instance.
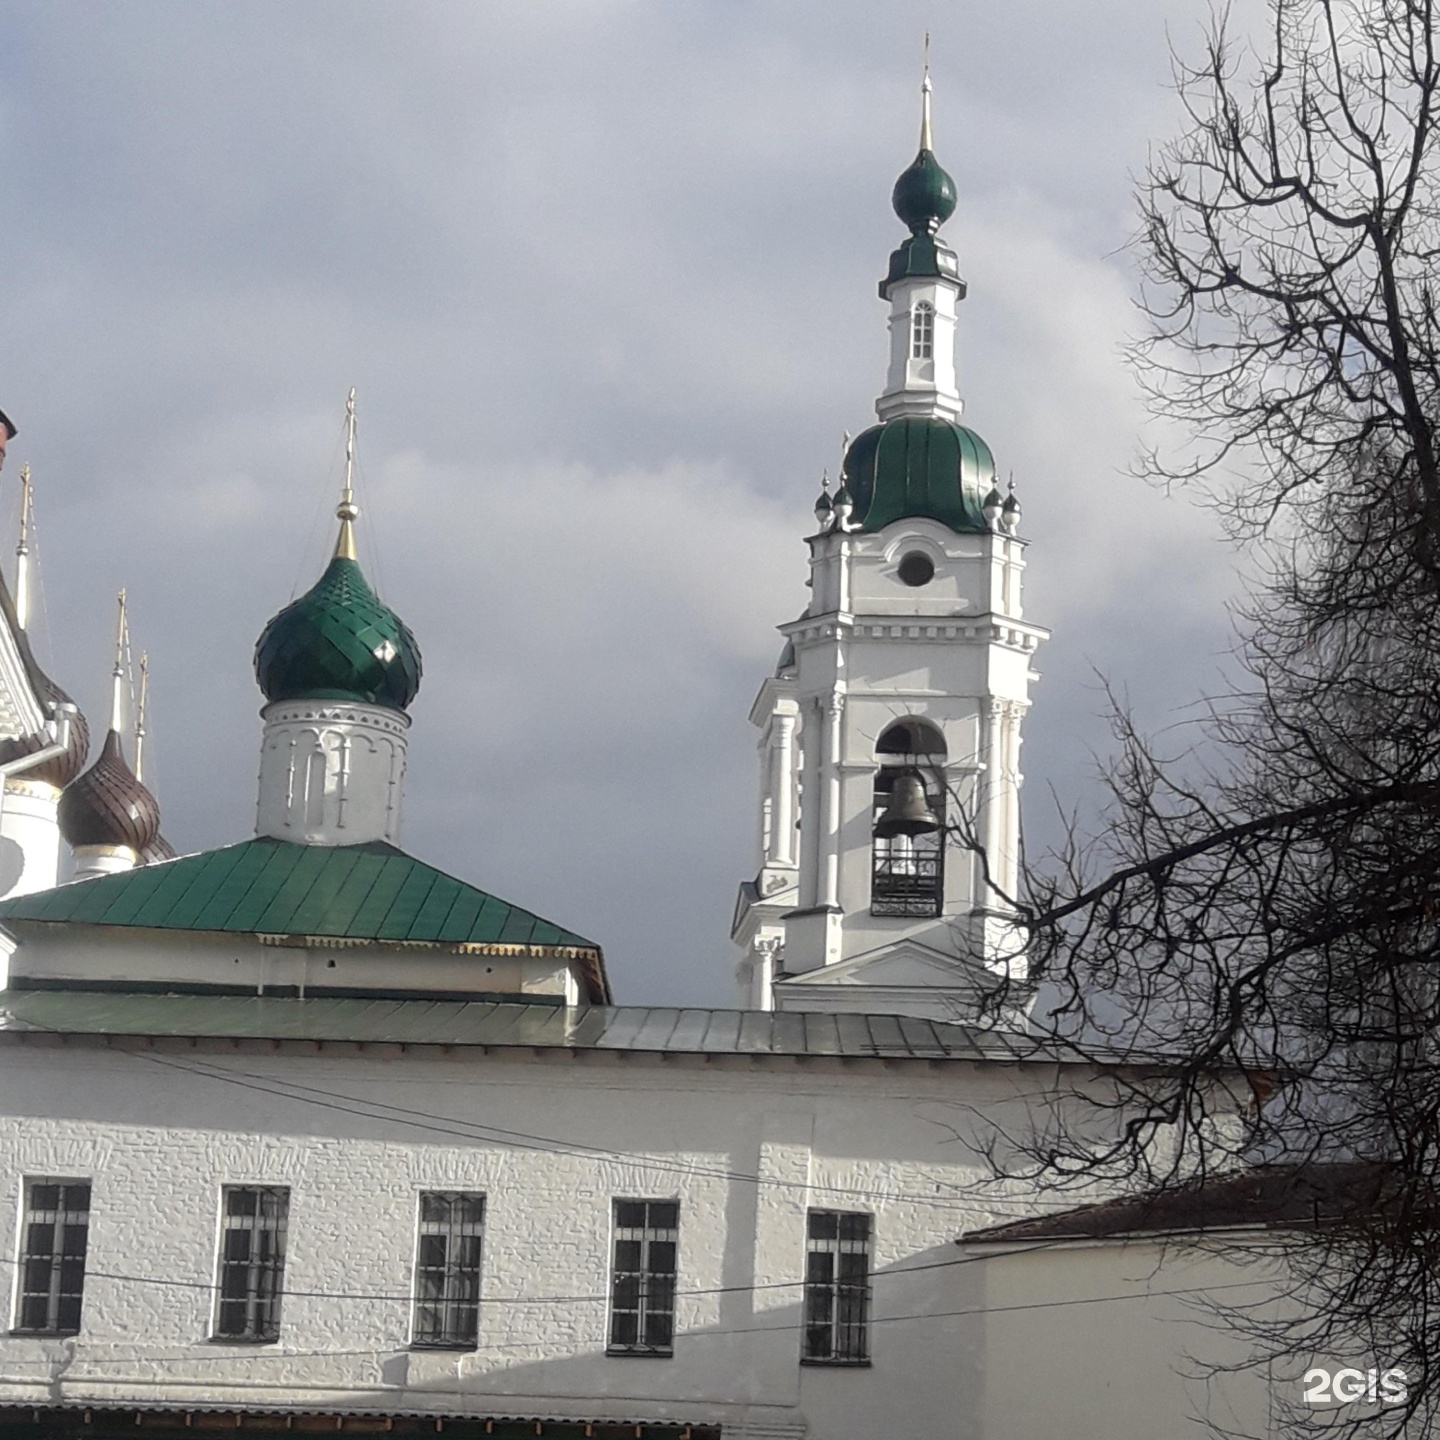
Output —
(907, 874)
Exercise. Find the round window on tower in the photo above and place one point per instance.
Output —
(916, 568)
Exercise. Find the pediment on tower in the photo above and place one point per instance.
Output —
(908, 965)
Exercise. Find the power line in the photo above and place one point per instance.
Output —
(524, 1140)
(408, 1298)
(780, 1329)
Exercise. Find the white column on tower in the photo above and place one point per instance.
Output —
(781, 849)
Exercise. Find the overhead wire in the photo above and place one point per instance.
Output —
(785, 1327)
(524, 1140)
(408, 1298)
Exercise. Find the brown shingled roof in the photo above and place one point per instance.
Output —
(1272, 1196)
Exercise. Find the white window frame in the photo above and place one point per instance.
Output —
(654, 1288)
(59, 1262)
(458, 1301)
(922, 331)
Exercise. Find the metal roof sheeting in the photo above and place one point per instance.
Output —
(481, 1023)
(369, 892)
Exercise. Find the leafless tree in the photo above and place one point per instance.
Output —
(1270, 901)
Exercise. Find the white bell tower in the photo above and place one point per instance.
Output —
(889, 830)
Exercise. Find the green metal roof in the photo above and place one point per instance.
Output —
(923, 256)
(338, 642)
(497, 1024)
(368, 892)
(919, 467)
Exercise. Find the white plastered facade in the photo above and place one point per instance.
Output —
(551, 1138)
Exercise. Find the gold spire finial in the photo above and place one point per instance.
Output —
(347, 511)
(22, 554)
(117, 696)
(925, 143)
(140, 715)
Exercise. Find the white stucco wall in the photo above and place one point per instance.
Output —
(1129, 1340)
(745, 1144)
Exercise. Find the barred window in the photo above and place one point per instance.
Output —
(252, 1261)
(837, 1289)
(52, 1257)
(447, 1270)
(922, 331)
(642, 1280)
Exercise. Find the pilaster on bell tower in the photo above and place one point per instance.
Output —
(891, 727)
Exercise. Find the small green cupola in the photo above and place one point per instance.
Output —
(924, 199)
(338, 641)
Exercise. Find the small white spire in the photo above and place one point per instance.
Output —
(140, 715)
(22, 554)
(117, 687)
(347, 511)
(925, 143)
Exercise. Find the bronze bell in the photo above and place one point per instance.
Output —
(908, 811)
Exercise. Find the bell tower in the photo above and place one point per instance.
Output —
(889, 829)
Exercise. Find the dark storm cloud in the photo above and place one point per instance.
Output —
(604, 275)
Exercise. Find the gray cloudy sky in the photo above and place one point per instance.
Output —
(604, 274)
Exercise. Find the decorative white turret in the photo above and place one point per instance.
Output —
(891, 725)
(338, 669)
(924, 289)
(41, 756)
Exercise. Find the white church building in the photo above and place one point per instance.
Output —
(305, 1134)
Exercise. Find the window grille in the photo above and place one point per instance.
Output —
(642, 1279)
(252, 1261)
(837, 1288)
(922, 332)
(52, 1259)
(447, 1270)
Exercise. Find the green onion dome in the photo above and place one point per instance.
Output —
(924, 195)
(917, 467)
(338, 642)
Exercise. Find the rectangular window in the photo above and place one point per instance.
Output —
(252, 1261)
(52, 1256)
(447, 1270)
(837, 1289)
(642, 1280)
(922, 333)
